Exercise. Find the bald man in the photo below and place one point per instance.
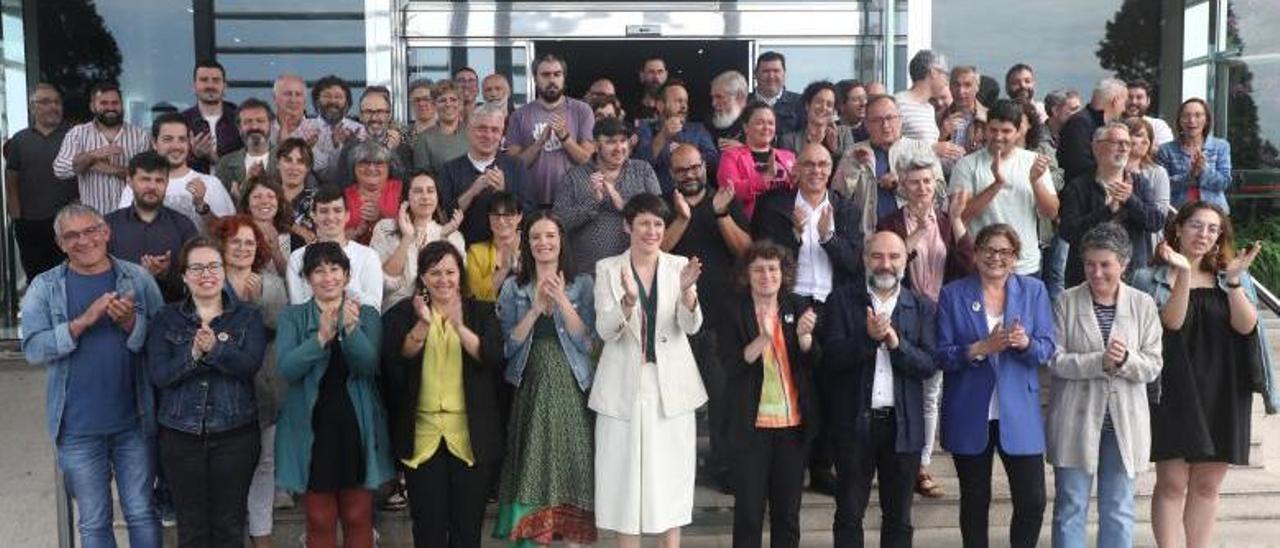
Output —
(879, 338)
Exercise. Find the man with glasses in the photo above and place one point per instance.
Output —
(148, 232)
(710, 225)
(1111, 193)
(867, 176)
(33, 193)
(671, 128)
(470, 181)
(86, 320)
(1008, 184)
(375, 115)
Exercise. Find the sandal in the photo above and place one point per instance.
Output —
(927, 487)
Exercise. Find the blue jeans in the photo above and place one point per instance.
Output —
(1053, 267)
(1115, 500)
(89, 463)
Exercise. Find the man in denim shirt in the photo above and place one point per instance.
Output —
(87, 320)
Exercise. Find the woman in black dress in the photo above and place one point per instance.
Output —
(1200, 423)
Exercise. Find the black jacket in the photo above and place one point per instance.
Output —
(403, 380)
(850, 364)
(743, 380)
(1084, 206)
(1075, 143)
(772, 221)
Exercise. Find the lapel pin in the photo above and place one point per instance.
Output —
(789, 318)
(977, 307)
(222, 337)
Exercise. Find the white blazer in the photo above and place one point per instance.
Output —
(617, 379)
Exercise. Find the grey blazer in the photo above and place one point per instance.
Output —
(1082, 393)
(230, 170)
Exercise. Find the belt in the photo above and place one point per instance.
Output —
(881, 413)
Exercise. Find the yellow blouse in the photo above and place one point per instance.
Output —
(442, 405)
(482, 263)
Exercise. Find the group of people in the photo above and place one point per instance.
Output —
(533, 304)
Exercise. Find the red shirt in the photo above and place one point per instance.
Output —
(388, 207)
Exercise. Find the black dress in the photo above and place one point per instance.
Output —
(337, 459)
(1205, 404)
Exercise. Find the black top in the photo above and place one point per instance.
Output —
(773, 221)
(131, 238)
(1084, 206)
(337, 456)
(649, 303)
(40, 193)
(702, 239)
(1075, 143)
(457, 175)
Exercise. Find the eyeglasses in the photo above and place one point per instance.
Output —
(1197, 226)
(73, 236)
(1001, 253)
(198, 269)
(877, 120)
(375, 112)
(687, 169)
(505, 215)
(815, 165)
(1117, 143)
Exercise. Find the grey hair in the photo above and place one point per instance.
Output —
(43, 86)
(1108, 236)
(74, 209)
(1104, 128)
(965, 69)
(1108, 88)
(487, 110)
(419, 83)
(731, 81)
(915, 159)
(370, 151)
(275, 86)
(924, 61)
(1055, 98)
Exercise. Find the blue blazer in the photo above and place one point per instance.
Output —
(967, 385)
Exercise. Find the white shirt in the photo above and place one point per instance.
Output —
(918, 119)
(993, 408)
(481, 165)
(813, 267)
(882, 384)
(1015, 204)
(365, 282)
(250, 159)
(1162, 132)
(213, 127)
(178, 198)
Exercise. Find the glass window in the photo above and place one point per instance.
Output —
(14, 94)
(1195, 82)
(437, 63)
(1195, 37)
(1252, 26)
(807, 63)
(241, 32)
(310, 6)
(310, 66)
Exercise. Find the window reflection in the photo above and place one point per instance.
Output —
(437, 63)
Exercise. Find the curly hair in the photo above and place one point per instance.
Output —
(1223, 250)
(768, 251)
(225, 228)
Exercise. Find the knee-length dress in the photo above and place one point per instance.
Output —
(1205, 403)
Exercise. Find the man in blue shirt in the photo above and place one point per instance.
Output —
(86, 319)
(656, 139)
(148, 232)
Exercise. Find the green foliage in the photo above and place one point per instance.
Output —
(1131, 45)
(1264, 228)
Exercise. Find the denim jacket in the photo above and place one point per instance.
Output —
(1213, 181)
(1155, 282)
(214, 393)
(514, 301)
(46, 335)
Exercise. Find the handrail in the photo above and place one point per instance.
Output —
(1267, 298)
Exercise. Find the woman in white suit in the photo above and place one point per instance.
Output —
(647, 384)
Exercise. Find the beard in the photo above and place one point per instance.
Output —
(331, 114)
(550, 94)
(722, 120)
(109, 118)
(883, 280)
(692, 188)
(255, 138)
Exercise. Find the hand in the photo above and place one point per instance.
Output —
(252, 286)
(995, 169)
(452, 224)
(722, 199)
(888, 181)
(203, 342)
(1173, 258)
(689, 274)
(340, 134)
(556, 297)
(393, 138)
(807, 322)
(202, 145)
(799, 219)
(256, 169)
(597, 184)
(631, 293)
(878, 325)
(557, 126)
(1039, 167)
(328, 325)
(495, 179)
(1018, 339)
(368, 210)
(683, 210)
(948, 151)
(421, 309)
(350, 314)
(405, 222)
(826, 221)
(1197, 163)
(122, 311)
(863, 155)
(672, 126)
(996, 341)
(95, 311)
(1241, 262)
(956, 204)
(1120, 191)
(197, 188)
(106, 153)
(453, 313)
(766, 322)
(830, 138)
(1114, 355)
(727, 144)
(156, 264)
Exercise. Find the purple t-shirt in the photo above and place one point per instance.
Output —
(529, 121)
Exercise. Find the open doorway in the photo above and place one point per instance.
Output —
(694, 61)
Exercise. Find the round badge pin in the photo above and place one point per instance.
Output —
(222, 337)
(976, 306)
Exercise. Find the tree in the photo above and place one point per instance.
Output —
(76, 51)
(1131, 46)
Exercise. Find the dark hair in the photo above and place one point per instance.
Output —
(196, 242)
(611, 127)
(503, 202)
(225, 228)
(166, 119)
(439, 215)
(661, 92)
(750, 110)
(326, 194)
(208, 63)
(1223, 250)
(652, 57)
(646, 203)
(814, 88)
(769, 251)
(284, 211)
(988, 90)
(466, 69)
(99, 88)
(596, 103)
(845, 87)
(549, 58)
(1005, 110)
(1016, 68)
(1208, 117)
(327, 82)
(999, 229)
(322, 253)
(295, 143)
(253, 103)
(1035, 128)
(432, 254)
(149, 161)
(528, 271)
(1138, 83)
(771, 56)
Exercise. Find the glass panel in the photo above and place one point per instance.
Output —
(1195, 37)
(1252, 24)
(236, 32)
(1253, 113)
(310, 66)
(436, 63)
(299, 7)
(1195, 82)
(14, 94)
(807, 63)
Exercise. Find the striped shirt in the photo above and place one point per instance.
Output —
(99, 190)
(918, 119)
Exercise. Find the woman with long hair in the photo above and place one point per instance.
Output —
(398, 240)
(264, 201)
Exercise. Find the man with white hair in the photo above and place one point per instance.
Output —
(728, 98)
(1075, 141)
(289, 92)
(470, 181)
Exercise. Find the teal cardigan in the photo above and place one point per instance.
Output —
(301, 361)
